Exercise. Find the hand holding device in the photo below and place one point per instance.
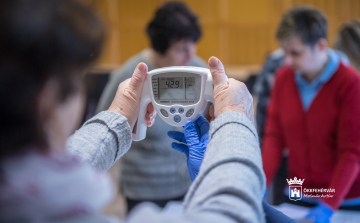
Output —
(229, 95)
(127, 98)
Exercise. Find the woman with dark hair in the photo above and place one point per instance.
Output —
(163, 176)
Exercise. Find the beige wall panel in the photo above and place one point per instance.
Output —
(207, 10)
(355, 9)
(240, 32)
(209, 44)
(249, 12)
(248, 44)
(133, 40)
(141, 10)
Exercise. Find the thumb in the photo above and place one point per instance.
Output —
(218, 73)
(138, 78)
(190, 133)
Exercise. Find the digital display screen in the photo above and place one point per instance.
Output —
(172, 88)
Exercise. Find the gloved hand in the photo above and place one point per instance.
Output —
(195, 137)
(320, 214)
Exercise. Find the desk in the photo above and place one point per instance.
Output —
(242, 72)
(293, 211)
(298, 212)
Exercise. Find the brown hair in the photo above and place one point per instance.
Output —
(348, 41)
(306, 22)
(173, 21)
(40, 40)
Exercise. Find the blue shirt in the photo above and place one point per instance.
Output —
(308, 91)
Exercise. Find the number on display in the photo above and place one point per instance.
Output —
(173, 84)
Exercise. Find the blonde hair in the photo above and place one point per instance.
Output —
(348, 41)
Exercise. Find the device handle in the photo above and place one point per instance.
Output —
(208, 94)
(209, 89)
(139, 131)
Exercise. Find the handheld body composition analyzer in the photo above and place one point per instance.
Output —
(177, 93)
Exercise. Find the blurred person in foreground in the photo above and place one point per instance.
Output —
(151, 170)
(45, 47)
(348, 41)
(313, 112)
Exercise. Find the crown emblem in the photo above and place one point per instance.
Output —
(295, 181)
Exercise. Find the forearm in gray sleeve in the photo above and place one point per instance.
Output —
(101, 140)
(231, 181)
(230, 184)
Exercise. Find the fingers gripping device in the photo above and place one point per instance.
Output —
(178, 94)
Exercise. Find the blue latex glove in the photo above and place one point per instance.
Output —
(265, 194)
(195, 137)
(320, 214)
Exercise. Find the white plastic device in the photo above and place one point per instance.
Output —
(177, 93)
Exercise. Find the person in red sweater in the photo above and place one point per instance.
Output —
(314, 112)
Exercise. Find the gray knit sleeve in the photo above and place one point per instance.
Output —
(102, 140)
(231, 182)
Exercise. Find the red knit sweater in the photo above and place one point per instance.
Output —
(323, 142)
